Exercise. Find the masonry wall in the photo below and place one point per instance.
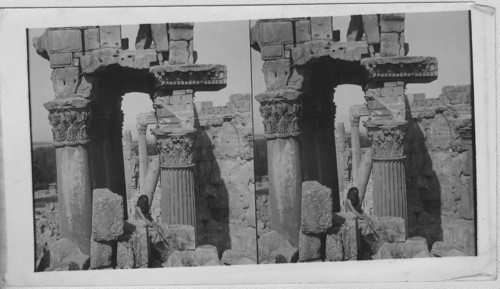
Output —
(440, 168)
(46, 220)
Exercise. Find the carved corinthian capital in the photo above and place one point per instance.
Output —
(387, 138)
(175, 147)
(282, 113)
(70, 120)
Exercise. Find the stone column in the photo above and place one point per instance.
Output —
(340, 148)
(177, 182)
(70, 120)
(127, 156)
(143, 152)
(389, 180)
(281, 112)
(355, 147)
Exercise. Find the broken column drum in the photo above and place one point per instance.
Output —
(70, 120)
(281, 113)
(177, 182)
(389, 186)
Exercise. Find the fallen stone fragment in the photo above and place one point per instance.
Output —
(132, 251)
(107, 215)
(341, 239)
(65, 255)
(235, 257)
(101, 254)
(442, 249)
(181, 259)
(423, 254)
(273, 247)
(309, 247)
(206, 253)
(414, 246)
(317, 208)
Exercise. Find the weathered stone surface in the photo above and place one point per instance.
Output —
(423, 254)
(355, 29)
(245, 261)
(214, 263)
(389, 44)
(235, 257)
(144, 37)
(181, 259)
(272, 52)
(415, 245)
(387, 25)
(302, 31)
(180, 237)
(317, 208)
(338, 50)
(341, 239)
(110, 36)
(61, 59)
(390, 229)
(181, 33)
(273, 246)
(466, 207)
(65, 81)
(64, 40)
(321, 28)
(309, 247)
(101, 58)
(390, 251)
(371, 28)
(159, 34)
(66, 253)
(276, 73)
(91, 39)
(101, 254)
(132, 251)
(272, 33)
(179, 53)
(205, 253)
(107, 215)
(442, 249)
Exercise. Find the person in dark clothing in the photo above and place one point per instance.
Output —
(142, 210)
(353, 204)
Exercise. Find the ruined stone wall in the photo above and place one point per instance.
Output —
(224, 175)
(439, 168)
(46, 219)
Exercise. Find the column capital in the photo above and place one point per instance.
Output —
(175, 146)
(70, 119)
(282, 113)
(142, 128)
(354, 120)
(387, 138)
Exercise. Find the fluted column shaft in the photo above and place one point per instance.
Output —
(281, 123)
(70, 120)
(389, 180)
(143, 152)
(356, 148)
(177, 181)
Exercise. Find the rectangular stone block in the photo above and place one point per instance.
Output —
(91, 39)
(110, 36)
(272, 33)
(272, 52)
(107, 215)
(65, 80)
(389, 45)
(321, 28)
(101, 254)
(64, 40)
(159, 33)
(317, 208)
(132, 250)
(342, 238)
(179, 53)
(392, 26)
(61, 59)
(276, 73)
(302, 31)
(187, 98)
(175, 99)
(309, 247)
(181, 33)
(371, 28)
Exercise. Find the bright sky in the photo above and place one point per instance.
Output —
(444, 35)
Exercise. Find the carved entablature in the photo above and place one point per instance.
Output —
(175, 146)
(70, 120)
(282, 113)
(407, 69)
(198, 77)
(387, 138)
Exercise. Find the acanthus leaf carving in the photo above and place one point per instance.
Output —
(176, 149)
(281, 117)
(387, 139)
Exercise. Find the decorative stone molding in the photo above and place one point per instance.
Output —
(70, 120)
(175, 146)
(206, 77)
(282, 113)
(408, 69)
(387, 138)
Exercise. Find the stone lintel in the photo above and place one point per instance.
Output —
(414, 69)
(146, 118)
(275, 95)
(67, 103)
(100, 59)
(312, 50)
(198, 77)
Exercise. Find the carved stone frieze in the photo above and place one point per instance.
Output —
(387, 138)
(70, 119)
(408, 69)
(205, 77)
(175, 147)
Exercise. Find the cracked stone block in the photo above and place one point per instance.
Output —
(91, 39)
(317, 208)
(132, 250)
(321, 28)
(274, 248)
(107, 215)
(389, 44)
(160, 36)
(309, 247)
(206, 253)
(302, 31)
(65, 255)
(272, 33)
(64, 40)
(371, 28)
(110, 36)
(179, 53)
(342, 238)
(60, 60)
(272, 52)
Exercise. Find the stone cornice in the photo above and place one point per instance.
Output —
(408, 69)
(198, 77)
